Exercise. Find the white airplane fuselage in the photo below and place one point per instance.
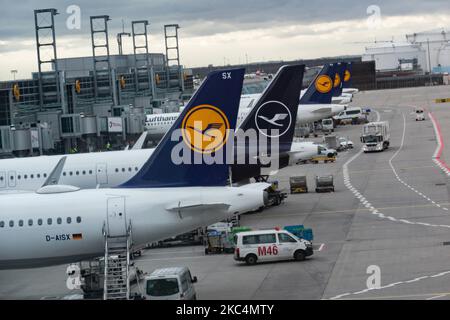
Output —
(84, 170)
(35, 230)
(302, 151)
(88, 170)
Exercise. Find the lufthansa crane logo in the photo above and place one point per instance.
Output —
(337, 80)
(324, 84)
(347, 75)
(205, 129)
(273, 115)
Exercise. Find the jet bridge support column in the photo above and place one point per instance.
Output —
(100, 52)
(142, 61)
(44, 22)
(172, 54)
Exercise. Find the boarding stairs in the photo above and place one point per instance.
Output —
(117, 265)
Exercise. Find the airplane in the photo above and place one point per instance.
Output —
(323, 99)
(165, 198)
(97, 169)
(314, 106)
(338, 96)
(347, 89)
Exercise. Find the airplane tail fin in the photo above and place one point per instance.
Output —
(339, 78)
(277, 107)
(273, 118)
(320, 90)
(201, 131)
(347, 83)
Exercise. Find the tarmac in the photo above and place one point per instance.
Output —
(389, 216)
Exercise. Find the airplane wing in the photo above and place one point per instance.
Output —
(52, 180)
(140, 142)
(55, 175)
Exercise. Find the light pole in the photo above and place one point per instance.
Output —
(13, 72)
(429, 61)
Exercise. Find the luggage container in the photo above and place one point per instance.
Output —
(298, 184)
(324, 184)
(300, 231)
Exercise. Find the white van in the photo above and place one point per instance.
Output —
(351, 115)
(270, 245)
(328, 125)
(173, 283)
(420, 114)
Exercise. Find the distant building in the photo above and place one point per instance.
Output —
(421, 52)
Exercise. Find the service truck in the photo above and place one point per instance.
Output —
(375, 136)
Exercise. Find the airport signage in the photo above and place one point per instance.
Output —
(115, 124)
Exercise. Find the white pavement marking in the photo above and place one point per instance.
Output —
(364, 202)
(395, 171)
(381, 215)
(437, 297)
(392, 285)
(321, 246)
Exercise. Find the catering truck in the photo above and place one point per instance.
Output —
(375, 136)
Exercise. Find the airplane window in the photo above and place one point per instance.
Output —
(59, 221)
(69, 220)
(90, 171)
(117, 170)
(12, 177)
(2, 224)
(78, 173)
(30, 222)
(78, 219)
(20, 223)
(123, 169)
(11, 223)
(129, 169)
(70, 173)
(38, 175)
(18, 177)
(45, 175)
(40, 222)
(64, 174)
(136, 169)
(84, 173)
(31, 176)
(49, 221)
(25, 176)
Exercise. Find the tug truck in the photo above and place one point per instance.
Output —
(375, 136)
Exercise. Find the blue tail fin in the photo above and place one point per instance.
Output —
(277, 107)
(200, 130)
(338, 78)
(320, 90)
(347, 83)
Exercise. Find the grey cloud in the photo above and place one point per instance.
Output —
(204, 17)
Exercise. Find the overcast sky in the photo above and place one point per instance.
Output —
(223, 31)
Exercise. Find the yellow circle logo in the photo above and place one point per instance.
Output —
(77, 86)
(347, 75)
(324, 84)
(16, 92)
(205, 129)
(337, 80)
